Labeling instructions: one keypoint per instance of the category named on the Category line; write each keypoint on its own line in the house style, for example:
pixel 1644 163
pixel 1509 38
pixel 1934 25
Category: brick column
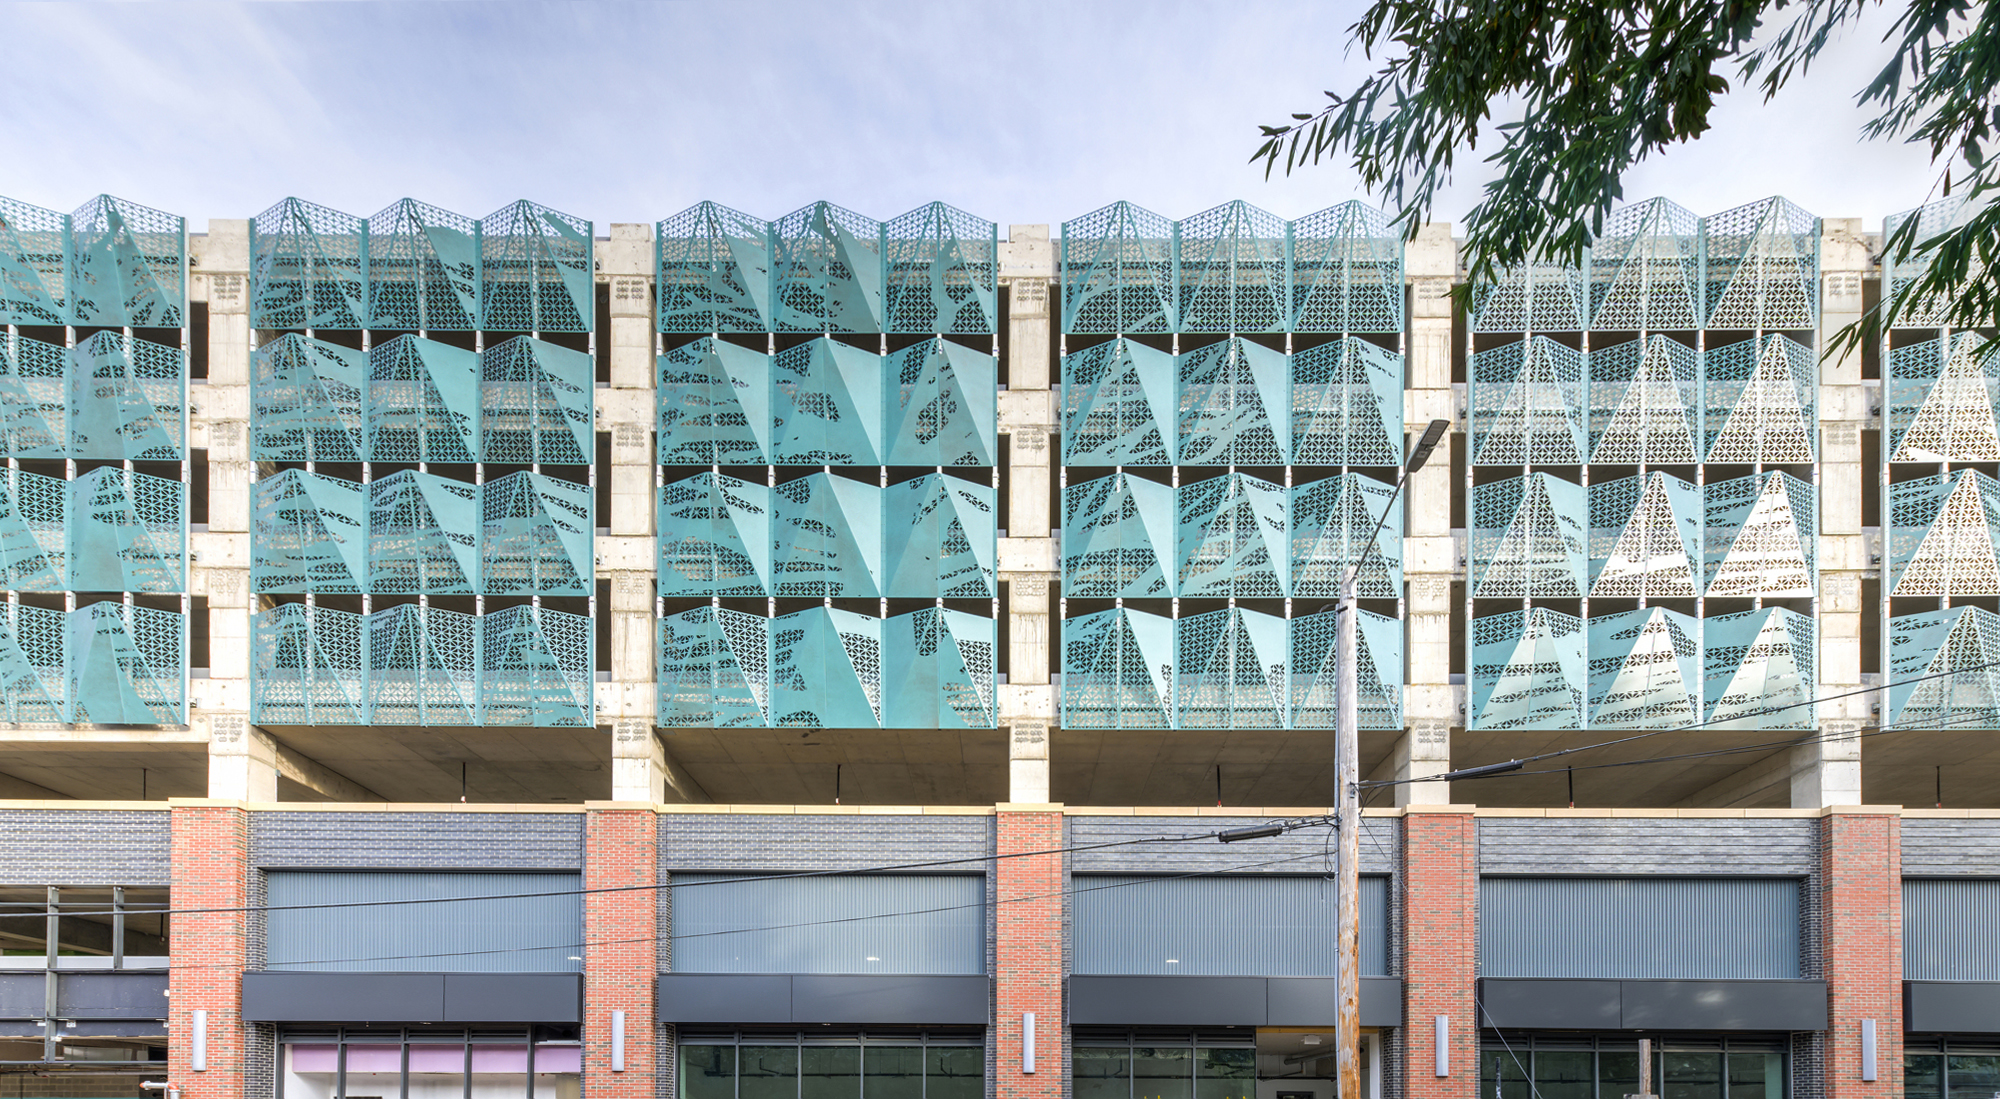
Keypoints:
pixel 1440 945
pixel 621 962
pixel 210 951
pixel 1861 945
pixel 1028 952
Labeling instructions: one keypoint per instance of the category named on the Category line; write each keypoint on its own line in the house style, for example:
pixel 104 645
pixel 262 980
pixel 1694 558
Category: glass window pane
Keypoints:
pixel 1162 1072
pixel 1500 1074
pixel 830 1072
pixel 1923 1076
pixel 1970 1077
pixel 956 1072
pixel 767 1072
pixel 1101 1072
pixel 1617 1073
pixel 1691 1075
pixel 1564 1074
pixel 707 1072
pixel 892 1072
pixel 1225 1074
pixel 1757 1075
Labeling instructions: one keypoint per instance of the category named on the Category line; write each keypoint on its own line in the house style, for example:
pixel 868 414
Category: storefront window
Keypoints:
pixel 430 1063
pixel 1191 1066
pixel 1225 1073
pixel 1162 1072
pixel 1950 1069
pixel 1607 1067
pixel 897 1065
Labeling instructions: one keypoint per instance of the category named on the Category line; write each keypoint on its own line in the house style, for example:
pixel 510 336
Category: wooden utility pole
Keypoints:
pixel 1347 765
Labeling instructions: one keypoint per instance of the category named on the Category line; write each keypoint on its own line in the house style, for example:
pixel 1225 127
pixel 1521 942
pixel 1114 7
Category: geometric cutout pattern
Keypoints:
pixel 1645 670
pixel 1233 539
pixel 1529 539
pixel 110 264
pixel 412 266
pixel 1760 397
pixel 423 402
pixel 1645 270
pixel 128 532
pixel 822 668
pixel 715 537
pixel 1347 404
pixel 307 401
pixel 1933 218
pixel 1227 669
pixel 1762 270
pixel 1760 537
pixel 1119 405
pixel 1119 537
pixel 415 665
pixel 34 533
pixel 827 538
pixel 1758 668
pixel 1527 671
pixel 1538 296
pixel 127 399
pixel 940 539
pixel 535 403
pixel 1331 520
pixel 1645 403
pixel 411 533
pixel 1953 657
pixel 1232 400
pixel 931 271
pixel 125 665
pixel 1942 535
pixel 1529 405
pixel 1942 402
pixel 823 402
pixel 1645 537
pixel 1315 671
pixel 1231 269
pixel 34 398
pixel 33 683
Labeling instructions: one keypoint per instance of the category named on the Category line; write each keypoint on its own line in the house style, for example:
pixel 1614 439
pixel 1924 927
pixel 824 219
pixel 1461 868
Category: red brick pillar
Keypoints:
pixel 621 959
pixel 1028 953
pixel 1440 945
pixel 210 950
pixel 1861 948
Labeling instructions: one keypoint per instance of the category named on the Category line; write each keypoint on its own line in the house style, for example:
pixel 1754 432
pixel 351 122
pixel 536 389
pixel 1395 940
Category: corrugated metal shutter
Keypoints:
pixel 1243 925
pixel 519 934
pixel 875 923
pixel 1708 928
pixel 1951 930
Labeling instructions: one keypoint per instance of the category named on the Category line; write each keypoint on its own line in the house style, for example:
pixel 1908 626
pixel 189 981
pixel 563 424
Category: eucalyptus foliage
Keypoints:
pixel 1600 87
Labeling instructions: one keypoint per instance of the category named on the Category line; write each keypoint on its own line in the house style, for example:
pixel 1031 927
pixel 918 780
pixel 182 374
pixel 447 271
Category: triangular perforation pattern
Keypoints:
pixel 1944 667
pixel 1529 405
pixel 1528 671
pixel 1645 670
pixel 1645 537
pixel 1528 538
pixel 1943 531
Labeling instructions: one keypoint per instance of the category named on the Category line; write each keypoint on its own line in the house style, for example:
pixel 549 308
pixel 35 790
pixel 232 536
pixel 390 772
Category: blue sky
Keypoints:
pixel 1016 111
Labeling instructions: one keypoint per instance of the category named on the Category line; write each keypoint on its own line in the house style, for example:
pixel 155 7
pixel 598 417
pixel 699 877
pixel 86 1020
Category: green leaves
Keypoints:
pixel 1591 90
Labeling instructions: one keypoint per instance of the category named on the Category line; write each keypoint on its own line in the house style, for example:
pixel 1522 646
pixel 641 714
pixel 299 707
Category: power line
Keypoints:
pixel 42 911
pixel 982 904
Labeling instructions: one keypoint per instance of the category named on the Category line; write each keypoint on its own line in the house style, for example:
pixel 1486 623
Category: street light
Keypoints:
pixel 1347 750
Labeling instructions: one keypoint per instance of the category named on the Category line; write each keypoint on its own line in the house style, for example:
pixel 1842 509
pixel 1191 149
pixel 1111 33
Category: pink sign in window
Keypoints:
pixel 514 1059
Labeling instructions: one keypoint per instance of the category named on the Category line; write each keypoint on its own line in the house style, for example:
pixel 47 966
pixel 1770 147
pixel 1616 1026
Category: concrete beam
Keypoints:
pixel 20 789
pixel 643 770
pixel 317 776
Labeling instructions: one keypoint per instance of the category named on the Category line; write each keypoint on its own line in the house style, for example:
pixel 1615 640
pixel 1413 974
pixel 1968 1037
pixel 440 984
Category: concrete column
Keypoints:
pixel 1829 773
pixel 1028 553
pixel 622 958
pixel 1861 947
pixel 1028 953
pixel 643 771
pixel 1432 705
pixel 242 759
pixel 212 946
pixel 1440 901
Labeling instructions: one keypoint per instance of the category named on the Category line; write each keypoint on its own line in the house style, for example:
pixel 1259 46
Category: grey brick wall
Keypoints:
pixel 755 841
pixel 417 841
pixel 1304 851
pixel 1648 845
pixel 1941 847
pixel 85 847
